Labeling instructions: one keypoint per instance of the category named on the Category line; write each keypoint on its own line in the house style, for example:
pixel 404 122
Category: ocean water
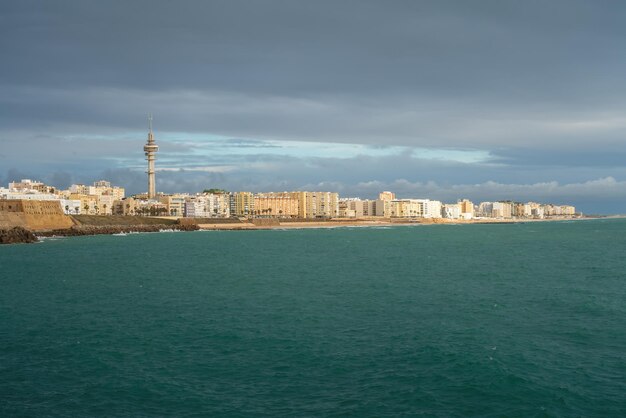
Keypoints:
pixel 524 320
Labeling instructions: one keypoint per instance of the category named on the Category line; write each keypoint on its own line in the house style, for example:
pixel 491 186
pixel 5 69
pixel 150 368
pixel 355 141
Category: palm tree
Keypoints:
pixel 105 208
pixel 67 209
pixel 86 207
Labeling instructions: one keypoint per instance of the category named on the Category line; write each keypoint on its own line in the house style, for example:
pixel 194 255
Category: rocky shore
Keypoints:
pixel 76 231
pixel 17 235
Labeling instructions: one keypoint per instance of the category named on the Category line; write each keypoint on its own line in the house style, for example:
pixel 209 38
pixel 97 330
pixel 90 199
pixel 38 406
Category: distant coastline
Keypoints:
pixel 111 225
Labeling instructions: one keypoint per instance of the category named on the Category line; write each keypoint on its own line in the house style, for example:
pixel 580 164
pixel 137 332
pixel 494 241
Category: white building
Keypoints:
pixel 196 207
pixel 70 206
pixel 26 195
pixel 451 210
pixel 432 208
pixel 207 206
pixel 485 209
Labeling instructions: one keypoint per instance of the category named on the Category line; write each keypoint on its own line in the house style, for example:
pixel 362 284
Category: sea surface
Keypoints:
pixel 520 320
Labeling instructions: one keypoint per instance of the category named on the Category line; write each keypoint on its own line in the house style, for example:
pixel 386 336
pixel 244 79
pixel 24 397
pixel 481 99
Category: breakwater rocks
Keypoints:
pixel 17 235
pixel 76 231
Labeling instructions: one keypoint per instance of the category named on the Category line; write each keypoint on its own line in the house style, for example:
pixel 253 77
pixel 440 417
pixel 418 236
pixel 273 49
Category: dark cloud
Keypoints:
pixel 286 46
pixel 537 85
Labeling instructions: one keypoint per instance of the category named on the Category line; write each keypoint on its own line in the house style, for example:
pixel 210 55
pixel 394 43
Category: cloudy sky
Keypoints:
pixel 488 100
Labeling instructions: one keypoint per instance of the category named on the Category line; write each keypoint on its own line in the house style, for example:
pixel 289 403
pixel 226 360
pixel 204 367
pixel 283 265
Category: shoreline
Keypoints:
pixel 339 223
pixel 18 235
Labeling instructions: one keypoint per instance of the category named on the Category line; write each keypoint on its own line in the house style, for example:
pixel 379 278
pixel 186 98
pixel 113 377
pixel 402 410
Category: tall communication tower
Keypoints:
pixel 151 149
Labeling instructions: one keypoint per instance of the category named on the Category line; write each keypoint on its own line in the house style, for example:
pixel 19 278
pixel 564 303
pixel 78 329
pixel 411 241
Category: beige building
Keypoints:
pixel 242 204
pixel 89 204
pixel 568 210
pixel 105 205
pixel 152 208
pixel 99 188
pixel 283 205
pixel 173 203
pixel 467 209
pixel 357 208
pixel 98 199
pixel 318 204
pixel 559 210
pixel 127 206
pixel 502 210
pixel 415 208
pixel 351 208
pixel 386 198
pixel 374 207
pixel 407 208
pixel 517 210
pixel 104 188
pixel 26 185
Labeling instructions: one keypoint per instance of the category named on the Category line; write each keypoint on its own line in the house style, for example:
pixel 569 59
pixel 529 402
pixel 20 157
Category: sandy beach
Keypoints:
pixel 343 222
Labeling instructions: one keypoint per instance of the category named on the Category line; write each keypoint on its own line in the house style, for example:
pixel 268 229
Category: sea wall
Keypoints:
pixel 120 220
pixel 35 215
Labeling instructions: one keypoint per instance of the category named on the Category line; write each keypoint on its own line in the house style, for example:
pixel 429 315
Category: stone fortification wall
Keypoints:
pixel 36 215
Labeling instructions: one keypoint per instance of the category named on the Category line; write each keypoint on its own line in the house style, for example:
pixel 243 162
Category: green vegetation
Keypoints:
pixel 214 191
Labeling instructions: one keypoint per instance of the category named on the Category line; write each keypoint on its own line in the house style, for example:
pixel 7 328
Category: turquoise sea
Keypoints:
pixel 523 320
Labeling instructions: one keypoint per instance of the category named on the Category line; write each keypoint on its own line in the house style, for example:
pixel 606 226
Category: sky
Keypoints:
pixel 486 100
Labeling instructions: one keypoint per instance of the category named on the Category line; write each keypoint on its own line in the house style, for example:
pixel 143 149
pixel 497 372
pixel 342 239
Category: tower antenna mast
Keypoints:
pixel 150 150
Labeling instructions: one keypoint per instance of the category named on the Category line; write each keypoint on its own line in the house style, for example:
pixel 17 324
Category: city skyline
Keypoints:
pixel 441 99
pixel 104 198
